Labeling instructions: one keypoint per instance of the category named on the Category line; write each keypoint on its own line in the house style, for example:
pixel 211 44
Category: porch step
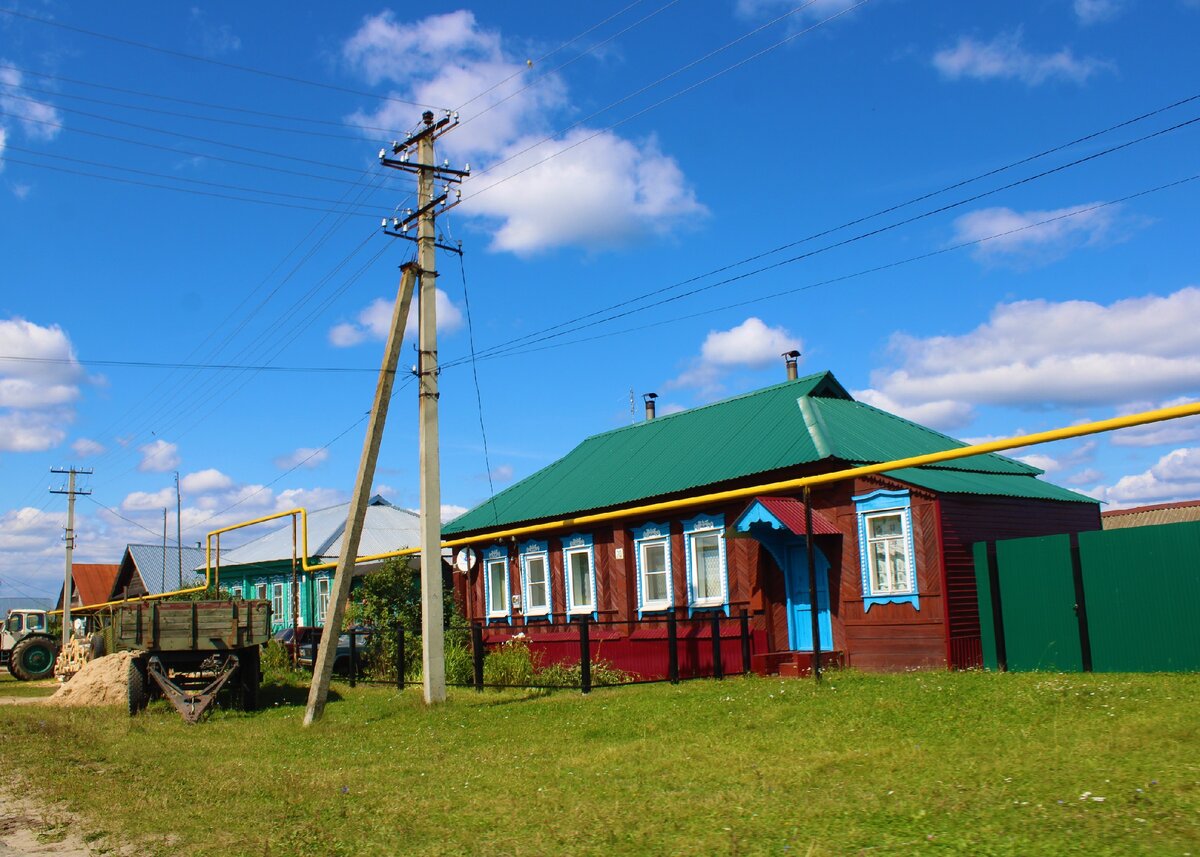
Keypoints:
pixel 794 664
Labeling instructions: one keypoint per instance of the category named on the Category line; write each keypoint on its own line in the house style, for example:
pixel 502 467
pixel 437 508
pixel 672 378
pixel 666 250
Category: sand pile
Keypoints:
pixel 104 681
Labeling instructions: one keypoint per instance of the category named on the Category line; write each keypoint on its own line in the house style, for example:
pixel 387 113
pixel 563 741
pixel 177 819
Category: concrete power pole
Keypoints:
pixel 68 577
pixel 428 204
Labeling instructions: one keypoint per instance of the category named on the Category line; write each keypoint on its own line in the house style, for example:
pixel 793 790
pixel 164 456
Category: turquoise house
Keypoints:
pixel 263 568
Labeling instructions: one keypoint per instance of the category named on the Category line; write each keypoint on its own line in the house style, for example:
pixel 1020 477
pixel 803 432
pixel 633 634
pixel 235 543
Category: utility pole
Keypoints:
pixel 164 565
pixel 68 577
pixel 178 531
pixel 429 204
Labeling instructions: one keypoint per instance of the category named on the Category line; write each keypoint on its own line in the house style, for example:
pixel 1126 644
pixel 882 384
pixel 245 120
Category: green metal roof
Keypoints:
pixel 785 425
pixel 959 482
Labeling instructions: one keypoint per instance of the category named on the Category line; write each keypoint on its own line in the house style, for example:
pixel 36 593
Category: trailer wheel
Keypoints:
pixel 138 694
pixel 249 677
pixel 33 658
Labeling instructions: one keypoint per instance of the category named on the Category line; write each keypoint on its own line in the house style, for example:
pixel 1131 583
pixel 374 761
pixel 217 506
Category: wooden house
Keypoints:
pixel 91 583
pixel 895 583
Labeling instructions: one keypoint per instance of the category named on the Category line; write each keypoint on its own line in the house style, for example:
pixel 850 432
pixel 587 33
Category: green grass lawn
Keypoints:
pixel 929 763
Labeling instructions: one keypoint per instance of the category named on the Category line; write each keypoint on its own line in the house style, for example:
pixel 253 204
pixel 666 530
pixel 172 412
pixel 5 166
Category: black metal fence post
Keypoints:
pixel 672 649
pixel 744 629
pixel 585 657
pixel 353 656
pixel 401 666
pixel 997 607
pixel 1085 637
pixel 718 667
pixel 477 653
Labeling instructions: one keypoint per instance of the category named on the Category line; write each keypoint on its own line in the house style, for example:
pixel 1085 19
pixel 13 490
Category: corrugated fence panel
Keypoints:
pixel 983 590
pixel 1142 586
pixel 1037 601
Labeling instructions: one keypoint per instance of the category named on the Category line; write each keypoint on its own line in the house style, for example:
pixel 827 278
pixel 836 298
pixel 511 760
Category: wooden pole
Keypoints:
pixel 318 691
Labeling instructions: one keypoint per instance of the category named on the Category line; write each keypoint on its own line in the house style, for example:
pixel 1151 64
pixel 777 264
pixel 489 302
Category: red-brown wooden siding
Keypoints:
pixel 967 519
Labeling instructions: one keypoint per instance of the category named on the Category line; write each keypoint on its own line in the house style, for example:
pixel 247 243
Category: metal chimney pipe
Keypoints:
pixel 649 399
pixel 790 359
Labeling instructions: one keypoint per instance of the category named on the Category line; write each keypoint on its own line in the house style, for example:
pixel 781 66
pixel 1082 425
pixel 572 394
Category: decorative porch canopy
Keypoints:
pixel 782 513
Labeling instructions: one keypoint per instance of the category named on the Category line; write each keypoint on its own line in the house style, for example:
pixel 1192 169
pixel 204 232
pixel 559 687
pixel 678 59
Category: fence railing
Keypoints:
pixel 586 653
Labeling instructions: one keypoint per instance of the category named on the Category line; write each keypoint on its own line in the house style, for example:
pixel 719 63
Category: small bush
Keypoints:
pixel 460 665
pixel 275 662
pixel 571 675
pixel 511 663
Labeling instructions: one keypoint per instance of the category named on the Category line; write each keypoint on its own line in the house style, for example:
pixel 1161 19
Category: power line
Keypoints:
pixel 193 103
pixel 113 511
pixel 213 61
pixel 151 364
pixel 846 241
pixel 663 101
pixel 487 460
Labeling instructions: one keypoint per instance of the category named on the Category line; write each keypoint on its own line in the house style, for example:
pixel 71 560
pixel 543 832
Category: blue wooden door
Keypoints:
pixel 800 605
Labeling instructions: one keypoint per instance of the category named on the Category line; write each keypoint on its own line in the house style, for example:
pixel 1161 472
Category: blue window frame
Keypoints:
pixel 495 585
pixel 707 570
pixel 885 549
pixel 536 592
pixel 579 573
pixel 652 556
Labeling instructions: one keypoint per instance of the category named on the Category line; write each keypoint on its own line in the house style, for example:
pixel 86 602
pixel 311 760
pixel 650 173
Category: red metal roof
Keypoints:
pixel 94 581
pixel 790 513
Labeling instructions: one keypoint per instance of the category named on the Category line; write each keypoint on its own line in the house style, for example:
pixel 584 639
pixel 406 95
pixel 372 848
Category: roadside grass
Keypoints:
pixel 10 686
pixel 933 762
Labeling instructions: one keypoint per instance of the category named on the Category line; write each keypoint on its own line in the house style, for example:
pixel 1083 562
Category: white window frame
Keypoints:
pixel 323 600
pixel 260 591
pixel 235 592
pixel 652 535
pixel 905 539
pixel 530 552
pixel 694 530
pixel 491 558
pixel 278 591
pixel 579 545
pixel 884 502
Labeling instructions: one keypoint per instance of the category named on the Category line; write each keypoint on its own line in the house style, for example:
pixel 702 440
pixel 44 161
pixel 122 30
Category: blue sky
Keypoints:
pixel 623 153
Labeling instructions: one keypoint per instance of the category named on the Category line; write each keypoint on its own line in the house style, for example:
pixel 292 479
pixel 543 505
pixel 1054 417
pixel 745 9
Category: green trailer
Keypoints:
pixel 187 650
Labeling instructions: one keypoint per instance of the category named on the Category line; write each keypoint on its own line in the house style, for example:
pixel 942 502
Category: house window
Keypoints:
pixel 277 601
pixel 535 578
pixel 260 591
pixel 708 576
pixel 885 547
pixel 652 545
pixel 580 565
pixel 236 593
pixel 495 582
pixel 322 599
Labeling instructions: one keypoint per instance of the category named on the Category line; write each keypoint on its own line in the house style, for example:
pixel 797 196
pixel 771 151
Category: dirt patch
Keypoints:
pixel 104 681
pixel 28 828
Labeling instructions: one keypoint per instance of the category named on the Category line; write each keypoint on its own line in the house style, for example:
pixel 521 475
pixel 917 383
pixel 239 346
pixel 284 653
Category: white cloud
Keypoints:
pixel 1169 433
pixel 38 387
pixel 1096 11
pixel 451 511
pixel 749 344
pixel 502 473
pixel 816 9
pixel 307 457
pixel 309 498
pixel 212 39
pixel 944 414
pixel 1041 353
pixel 158 456
pixel 145 501
pixel 1005 58
pixel 1175 476
pixel 86 447
pixel 602 191
pixel 1066 229
pixel 205 481
pixel 375 320
pixel 1087 476
pixel 32 114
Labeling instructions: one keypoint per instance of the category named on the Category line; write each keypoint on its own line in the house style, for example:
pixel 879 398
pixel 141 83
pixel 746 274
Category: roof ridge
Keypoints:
pixel 815 378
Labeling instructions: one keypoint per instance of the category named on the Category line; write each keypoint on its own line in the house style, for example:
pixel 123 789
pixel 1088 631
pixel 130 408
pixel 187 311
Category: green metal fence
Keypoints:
pixel 1124 600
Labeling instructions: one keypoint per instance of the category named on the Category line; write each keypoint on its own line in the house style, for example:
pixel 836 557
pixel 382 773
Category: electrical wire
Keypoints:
pixel 113 511
pixel 548 334
pixel 213 61
pixel 152 364
pixel 487 460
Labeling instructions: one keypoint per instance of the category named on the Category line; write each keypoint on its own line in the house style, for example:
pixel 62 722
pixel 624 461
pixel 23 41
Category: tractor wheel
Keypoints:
pixel 248 677
pixel 33 658
pixel 138 695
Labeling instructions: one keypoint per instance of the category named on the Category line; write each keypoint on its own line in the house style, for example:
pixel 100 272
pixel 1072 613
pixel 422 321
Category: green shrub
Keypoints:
pixel 460 665
pixel 275 662
pixel 571 675
pixel 510 663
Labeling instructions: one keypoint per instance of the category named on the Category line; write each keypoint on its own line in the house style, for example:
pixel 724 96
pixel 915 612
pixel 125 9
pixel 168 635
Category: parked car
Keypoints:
pixel 294 638
pixel 341 662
